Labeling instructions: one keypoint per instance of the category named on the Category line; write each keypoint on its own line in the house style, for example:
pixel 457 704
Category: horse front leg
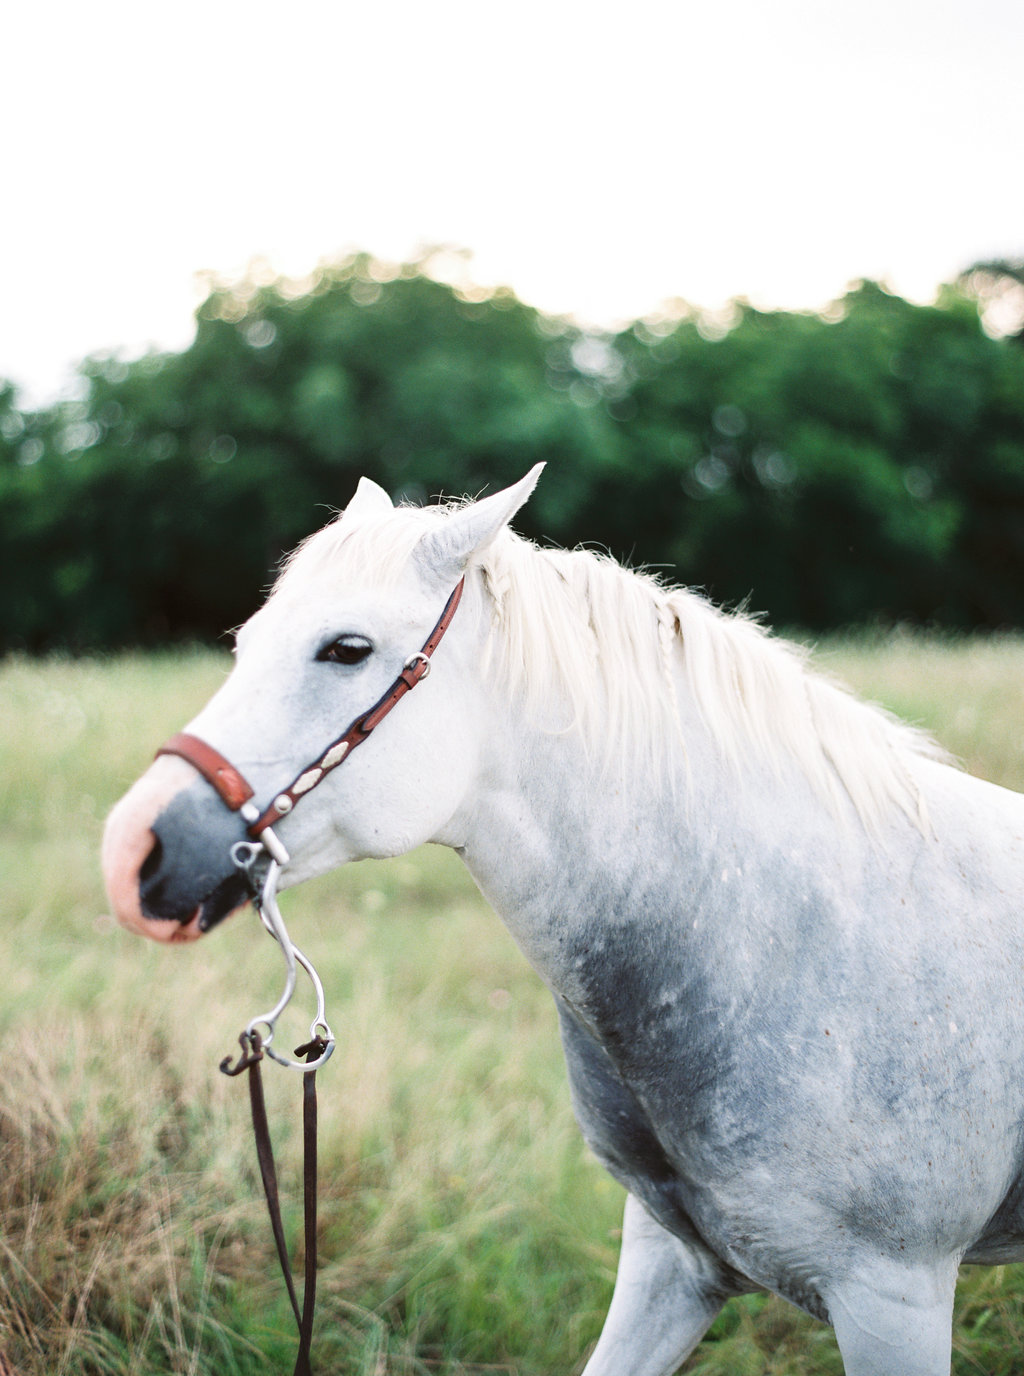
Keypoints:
pixel 895 1320
pixel 665 1298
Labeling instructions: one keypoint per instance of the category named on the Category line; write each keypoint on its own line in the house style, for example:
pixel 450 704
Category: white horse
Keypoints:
pixel 782 933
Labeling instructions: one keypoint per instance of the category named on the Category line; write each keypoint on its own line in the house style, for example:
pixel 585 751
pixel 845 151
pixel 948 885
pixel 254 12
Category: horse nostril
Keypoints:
pixel 151 864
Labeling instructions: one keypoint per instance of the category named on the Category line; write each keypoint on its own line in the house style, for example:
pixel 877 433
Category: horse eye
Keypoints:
pixel 347 649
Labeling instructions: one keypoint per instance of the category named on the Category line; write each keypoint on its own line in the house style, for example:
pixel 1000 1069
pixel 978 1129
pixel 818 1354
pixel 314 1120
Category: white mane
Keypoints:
pixel 577 628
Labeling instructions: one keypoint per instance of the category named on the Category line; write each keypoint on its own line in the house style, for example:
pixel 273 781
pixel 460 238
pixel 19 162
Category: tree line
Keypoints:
pixel 863 464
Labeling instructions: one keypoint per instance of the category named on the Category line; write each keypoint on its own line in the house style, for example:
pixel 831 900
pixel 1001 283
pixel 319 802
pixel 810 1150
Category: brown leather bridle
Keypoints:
pixel 234 789
pixel 237 794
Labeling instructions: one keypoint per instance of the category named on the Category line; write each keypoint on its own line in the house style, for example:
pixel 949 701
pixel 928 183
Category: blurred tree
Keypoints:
pixel 161 503
pixel 826 468
pixel 868 463
pixel 997 284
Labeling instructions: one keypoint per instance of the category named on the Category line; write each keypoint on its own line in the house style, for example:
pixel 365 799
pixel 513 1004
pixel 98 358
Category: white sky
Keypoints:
pixel 597 157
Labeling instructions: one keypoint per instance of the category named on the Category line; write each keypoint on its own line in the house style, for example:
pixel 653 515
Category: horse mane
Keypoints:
pixel 607 643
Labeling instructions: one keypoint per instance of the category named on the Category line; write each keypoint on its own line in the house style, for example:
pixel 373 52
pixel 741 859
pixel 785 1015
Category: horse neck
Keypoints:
pixel 559 838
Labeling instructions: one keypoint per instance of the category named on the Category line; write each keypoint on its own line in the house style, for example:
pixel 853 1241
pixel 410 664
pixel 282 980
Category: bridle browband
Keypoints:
pixel 235 791
pixel 237 794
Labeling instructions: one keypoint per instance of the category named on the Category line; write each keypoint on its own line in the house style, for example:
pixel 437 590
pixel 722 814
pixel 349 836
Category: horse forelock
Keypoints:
pixel 591 646
pixel 370 550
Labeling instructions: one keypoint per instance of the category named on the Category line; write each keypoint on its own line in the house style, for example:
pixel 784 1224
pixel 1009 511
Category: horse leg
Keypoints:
pixel 893 1320
pixel 665 1298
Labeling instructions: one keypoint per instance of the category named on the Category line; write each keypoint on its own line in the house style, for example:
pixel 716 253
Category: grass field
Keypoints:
pixel 465 1228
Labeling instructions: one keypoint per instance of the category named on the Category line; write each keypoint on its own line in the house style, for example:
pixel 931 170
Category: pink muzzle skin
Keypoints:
pixel 128 840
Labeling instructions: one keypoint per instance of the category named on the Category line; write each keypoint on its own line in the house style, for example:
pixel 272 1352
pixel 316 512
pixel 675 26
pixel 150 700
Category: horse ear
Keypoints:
pixel 445 551
pixel 369 499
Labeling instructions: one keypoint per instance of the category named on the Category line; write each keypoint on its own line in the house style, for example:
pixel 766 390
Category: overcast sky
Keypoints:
pixel 599 158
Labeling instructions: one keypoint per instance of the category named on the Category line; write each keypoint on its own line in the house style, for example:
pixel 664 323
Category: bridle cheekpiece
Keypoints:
pixel 237 794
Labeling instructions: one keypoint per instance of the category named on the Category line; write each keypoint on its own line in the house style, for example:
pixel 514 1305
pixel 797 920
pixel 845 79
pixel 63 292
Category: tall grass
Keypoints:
pixel 464 1226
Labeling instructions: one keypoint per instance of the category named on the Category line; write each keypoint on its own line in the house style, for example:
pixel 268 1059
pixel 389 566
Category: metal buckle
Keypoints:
pixel 420 657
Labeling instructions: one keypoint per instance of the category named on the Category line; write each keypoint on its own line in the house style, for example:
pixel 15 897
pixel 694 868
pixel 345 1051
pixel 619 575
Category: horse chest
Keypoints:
pixel 754 1124
pixel 648 1064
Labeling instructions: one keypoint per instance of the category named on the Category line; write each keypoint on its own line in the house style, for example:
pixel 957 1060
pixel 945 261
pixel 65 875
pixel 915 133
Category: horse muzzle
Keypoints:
pixel 166 856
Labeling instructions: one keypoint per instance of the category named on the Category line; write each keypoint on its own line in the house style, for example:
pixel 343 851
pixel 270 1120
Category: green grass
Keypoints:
pixel 464 1225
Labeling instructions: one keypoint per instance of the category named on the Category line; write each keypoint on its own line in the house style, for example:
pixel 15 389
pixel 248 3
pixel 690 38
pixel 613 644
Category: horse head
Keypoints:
pixel 351 608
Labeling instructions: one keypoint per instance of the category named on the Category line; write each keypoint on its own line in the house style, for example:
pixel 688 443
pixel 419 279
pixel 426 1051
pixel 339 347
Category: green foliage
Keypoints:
pixel 838 470
pixel 865 466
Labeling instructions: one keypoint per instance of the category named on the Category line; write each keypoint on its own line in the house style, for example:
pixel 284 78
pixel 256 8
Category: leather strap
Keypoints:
pixel 235 791
pixel 215 769
pixel 249 1060
pixel 311 1051
pixel 416 668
